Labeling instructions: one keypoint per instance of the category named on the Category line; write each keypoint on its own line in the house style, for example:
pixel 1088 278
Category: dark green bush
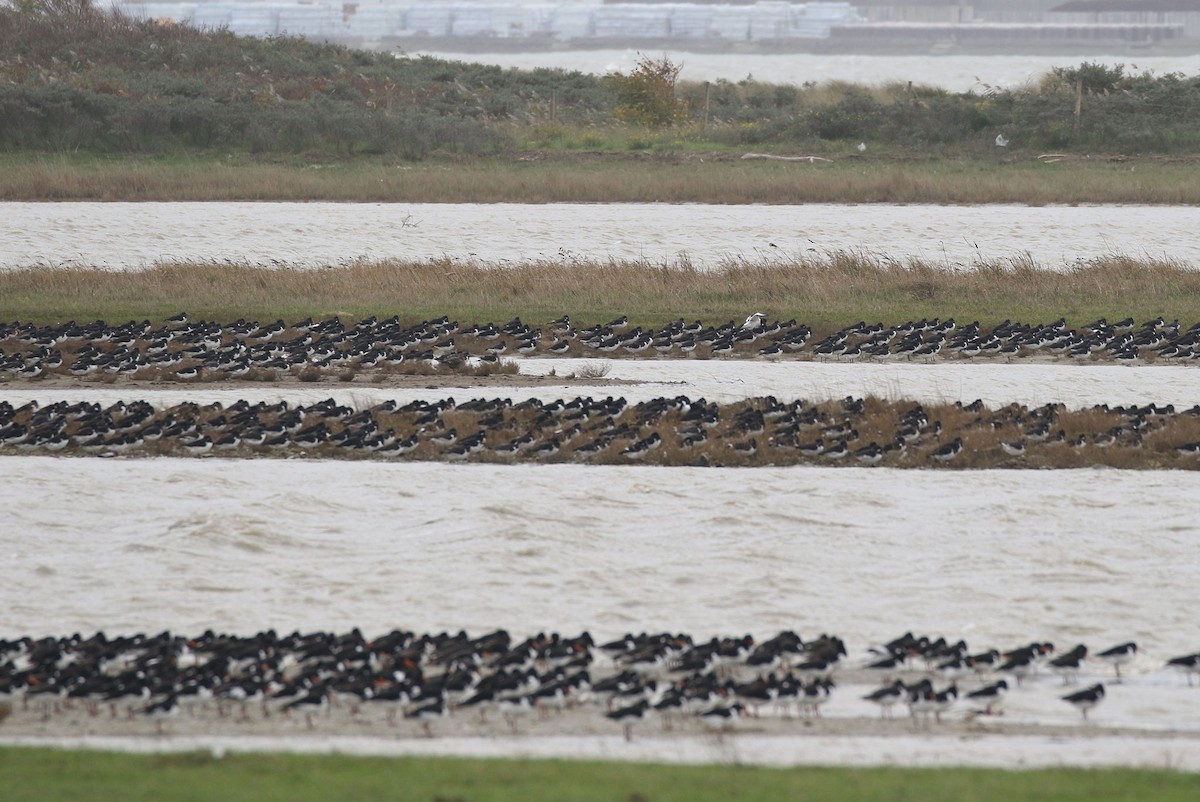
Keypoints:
pixel 72 77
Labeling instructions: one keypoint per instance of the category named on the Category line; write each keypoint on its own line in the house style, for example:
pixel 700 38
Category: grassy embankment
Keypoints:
pixel 43 775
pixel 201 114
pixel 826 292
pixel 600 178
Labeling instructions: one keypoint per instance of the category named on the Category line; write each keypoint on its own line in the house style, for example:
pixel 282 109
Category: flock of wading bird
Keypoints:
pixel 423 678
pixel 196 351
pixel 676 430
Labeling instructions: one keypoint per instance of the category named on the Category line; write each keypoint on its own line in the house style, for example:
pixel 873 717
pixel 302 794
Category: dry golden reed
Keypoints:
pixel 830 290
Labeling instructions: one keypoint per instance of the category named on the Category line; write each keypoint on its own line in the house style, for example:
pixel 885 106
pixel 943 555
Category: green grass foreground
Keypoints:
pixel 42 775
pixel 826 292
pixel 541 177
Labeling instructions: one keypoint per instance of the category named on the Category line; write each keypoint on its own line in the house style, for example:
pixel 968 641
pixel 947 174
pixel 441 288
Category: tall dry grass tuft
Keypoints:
pixel 593 370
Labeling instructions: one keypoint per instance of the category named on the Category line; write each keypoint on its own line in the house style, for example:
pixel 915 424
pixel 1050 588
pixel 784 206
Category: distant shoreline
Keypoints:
pixel 490 44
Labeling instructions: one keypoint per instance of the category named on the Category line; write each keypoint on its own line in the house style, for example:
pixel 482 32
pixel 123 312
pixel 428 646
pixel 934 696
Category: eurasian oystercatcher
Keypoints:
pixel 1014 448
pixel 949 451
pixel 1086 699
pixel 160 711
pixel 1068 665
pixel 990 696
pixel 1118 656
pixel 1189 664
pixel 722 719
pixel 315 701
pixel 628 716
pixel 426 713
pixel 815 694
pixel 887 697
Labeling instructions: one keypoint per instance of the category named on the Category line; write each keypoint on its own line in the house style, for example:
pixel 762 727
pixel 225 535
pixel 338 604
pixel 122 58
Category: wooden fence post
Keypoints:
pixel 1078 103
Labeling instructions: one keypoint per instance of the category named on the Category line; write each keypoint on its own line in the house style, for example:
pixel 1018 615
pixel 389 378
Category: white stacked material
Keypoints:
pixel 514 20
pixel 564 22
pixel 573 22
pixel 814 20
pixel 213 15
pixel 632 22
pixel 540 18
pixel 832 12
pixel 255 20
pixel 693 22
pixel 493 20
pixel 771 21
pixel 471 21
pixel 380 20
pixel 732 22
pixel 312 21
pixel 429 20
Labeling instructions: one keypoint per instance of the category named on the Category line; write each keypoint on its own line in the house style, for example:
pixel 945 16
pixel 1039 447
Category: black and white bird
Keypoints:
pixel 949 451
pixel 1188 664
pixel 747 448
pixel 629 716
pixel 722 719
pixel 815 694
pixel 887 697
pixel 990 696
pixel 160 711
pixel 1086 699
pixel 315 701
pixel 1014 448
pixel 426 713
pixel 1067 665
pixel 1118 656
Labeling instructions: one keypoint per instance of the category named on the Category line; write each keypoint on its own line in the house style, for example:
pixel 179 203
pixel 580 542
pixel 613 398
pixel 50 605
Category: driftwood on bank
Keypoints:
pixel 773 157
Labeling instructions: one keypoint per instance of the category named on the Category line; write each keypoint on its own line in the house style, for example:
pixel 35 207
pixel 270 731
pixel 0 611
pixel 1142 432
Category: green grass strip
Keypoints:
pixel 43 774
pixel 604 178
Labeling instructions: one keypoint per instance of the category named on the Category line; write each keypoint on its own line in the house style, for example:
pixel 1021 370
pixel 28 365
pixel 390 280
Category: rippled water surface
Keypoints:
pixel 723 380
pixel 996 556
pixel 130 235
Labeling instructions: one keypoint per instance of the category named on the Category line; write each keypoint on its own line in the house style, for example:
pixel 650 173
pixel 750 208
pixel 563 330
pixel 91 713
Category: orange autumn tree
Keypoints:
pixel 646 96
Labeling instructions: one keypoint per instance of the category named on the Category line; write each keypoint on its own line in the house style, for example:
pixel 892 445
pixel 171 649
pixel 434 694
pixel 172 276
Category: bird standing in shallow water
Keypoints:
pixel 628 716
pixel 1189 664
pixel 162 710
pixel 1068 665
pixel 1086 699
pixel 1118 656
pixel 887 696
pixel 427 713
pixel 990 696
